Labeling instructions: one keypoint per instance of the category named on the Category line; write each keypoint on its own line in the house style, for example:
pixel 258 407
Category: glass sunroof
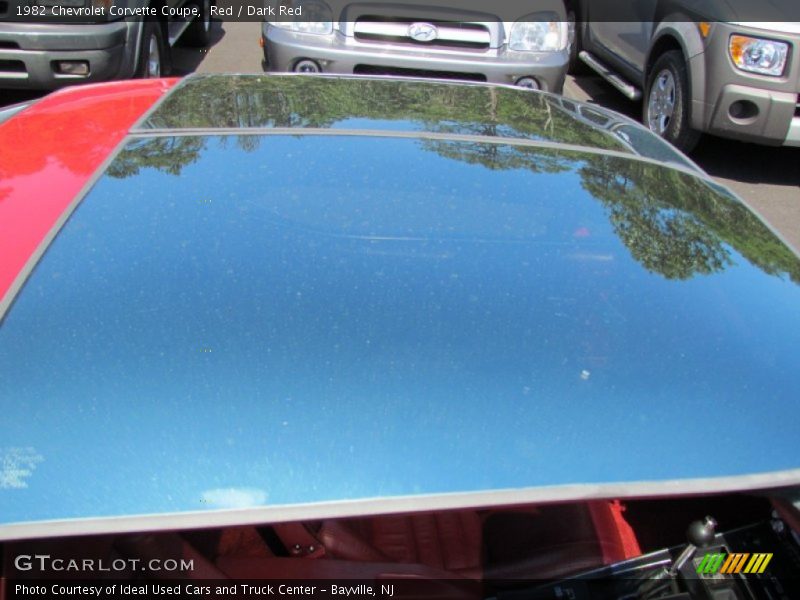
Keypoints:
pixel 269 320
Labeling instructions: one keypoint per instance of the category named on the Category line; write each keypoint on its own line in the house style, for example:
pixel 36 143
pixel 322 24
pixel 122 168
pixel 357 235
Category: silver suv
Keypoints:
pixel 718 71
pixel 422 41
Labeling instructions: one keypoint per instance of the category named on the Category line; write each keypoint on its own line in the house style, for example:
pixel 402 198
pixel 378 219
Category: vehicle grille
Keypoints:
pixel 422 73
pixel 3 8
pixel 12 66
pixel 450 34
pixel 8 45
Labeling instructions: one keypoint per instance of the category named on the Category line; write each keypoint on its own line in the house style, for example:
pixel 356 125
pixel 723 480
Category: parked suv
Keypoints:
pixel 423 41
pixel 733 79
pixel 47 44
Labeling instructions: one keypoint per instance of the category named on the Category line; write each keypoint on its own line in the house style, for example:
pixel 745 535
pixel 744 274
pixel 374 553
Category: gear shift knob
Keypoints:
pixel 701 533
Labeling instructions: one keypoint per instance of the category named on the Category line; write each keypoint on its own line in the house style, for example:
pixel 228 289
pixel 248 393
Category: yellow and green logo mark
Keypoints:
pixel 734 563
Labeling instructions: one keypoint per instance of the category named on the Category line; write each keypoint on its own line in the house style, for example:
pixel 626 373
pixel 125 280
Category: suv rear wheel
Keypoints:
pixel 667 105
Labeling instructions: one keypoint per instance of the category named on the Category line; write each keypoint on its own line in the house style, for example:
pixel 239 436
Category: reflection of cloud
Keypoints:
pixel 234 497
pixel 16 465
pixel 586 256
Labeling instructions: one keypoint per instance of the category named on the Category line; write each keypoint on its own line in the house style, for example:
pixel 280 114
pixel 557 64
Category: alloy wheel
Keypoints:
pixel 661 102
pixel 153 58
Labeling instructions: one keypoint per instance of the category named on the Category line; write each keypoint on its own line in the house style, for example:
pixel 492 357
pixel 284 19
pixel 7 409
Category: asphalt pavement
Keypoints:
pixel 767 179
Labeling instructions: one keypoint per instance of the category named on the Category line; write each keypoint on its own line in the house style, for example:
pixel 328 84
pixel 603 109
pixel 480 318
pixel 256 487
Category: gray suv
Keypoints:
pixel 726 77
pixel 52 43
pixel 422 41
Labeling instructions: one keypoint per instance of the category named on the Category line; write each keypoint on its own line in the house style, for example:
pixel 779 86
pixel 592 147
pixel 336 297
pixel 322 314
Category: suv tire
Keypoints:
pixel 576 65
pixel 667 103
pixel 152 53
pixel 198 34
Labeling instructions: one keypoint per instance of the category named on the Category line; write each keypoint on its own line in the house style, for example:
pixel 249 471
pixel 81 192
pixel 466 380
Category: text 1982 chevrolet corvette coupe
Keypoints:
pixel 471 340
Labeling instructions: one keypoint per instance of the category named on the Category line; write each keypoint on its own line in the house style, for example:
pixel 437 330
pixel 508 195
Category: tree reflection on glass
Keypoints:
pixel 677 225
pixel 673 223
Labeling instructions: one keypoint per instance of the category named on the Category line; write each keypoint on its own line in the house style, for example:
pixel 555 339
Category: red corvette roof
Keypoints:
pixel 50 151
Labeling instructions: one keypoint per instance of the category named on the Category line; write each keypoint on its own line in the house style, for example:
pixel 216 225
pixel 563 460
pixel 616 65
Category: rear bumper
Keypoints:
pixel 29 52
pixel 337 53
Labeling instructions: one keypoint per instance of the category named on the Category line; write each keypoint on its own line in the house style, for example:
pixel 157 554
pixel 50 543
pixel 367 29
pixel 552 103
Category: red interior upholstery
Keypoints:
pixel 527 542
pixel 163 546
pixel 614 531
pixel 450 541
pixel 519 542
pixel 549 541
